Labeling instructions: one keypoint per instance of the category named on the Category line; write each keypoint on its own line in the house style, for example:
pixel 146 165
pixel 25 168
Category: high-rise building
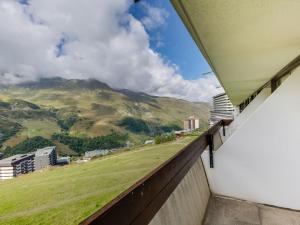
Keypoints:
pixel 191 123
pixel 45 157
pixel 222 108
pixel 16 165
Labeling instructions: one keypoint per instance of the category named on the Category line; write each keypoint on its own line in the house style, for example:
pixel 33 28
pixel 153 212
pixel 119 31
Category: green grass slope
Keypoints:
pixel 89 108
pixel 69 194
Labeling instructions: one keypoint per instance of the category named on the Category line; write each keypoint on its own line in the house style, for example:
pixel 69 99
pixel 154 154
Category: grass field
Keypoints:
pixel 40 127
pixel 69 194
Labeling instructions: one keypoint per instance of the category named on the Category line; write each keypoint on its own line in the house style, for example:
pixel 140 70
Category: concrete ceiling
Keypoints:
pixel 246 42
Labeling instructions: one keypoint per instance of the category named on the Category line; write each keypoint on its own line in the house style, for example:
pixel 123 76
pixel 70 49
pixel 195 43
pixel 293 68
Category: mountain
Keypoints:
pixel 87 109
pixel 60 83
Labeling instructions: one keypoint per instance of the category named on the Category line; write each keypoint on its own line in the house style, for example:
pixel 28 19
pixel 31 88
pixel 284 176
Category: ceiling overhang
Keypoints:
pixel 245 42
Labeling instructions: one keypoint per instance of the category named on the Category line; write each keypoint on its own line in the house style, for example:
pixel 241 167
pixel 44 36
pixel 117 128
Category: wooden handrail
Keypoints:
pixel 139 204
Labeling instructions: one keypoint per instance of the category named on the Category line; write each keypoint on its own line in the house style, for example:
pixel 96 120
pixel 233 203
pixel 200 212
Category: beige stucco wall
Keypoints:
pixel 187 204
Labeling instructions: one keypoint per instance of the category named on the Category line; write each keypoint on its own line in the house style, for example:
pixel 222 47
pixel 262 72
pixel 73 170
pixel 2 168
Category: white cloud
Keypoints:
pixel 98 38
pixel 155 17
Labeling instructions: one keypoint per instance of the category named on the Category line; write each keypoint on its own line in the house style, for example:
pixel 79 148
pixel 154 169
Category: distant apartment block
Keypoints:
pixel 191 123
pixel 16 165
pixel 63 161
pixel 45 157
pixel 222 108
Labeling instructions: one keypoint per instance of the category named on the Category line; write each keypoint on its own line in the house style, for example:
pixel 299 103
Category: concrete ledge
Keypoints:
pixel 188 203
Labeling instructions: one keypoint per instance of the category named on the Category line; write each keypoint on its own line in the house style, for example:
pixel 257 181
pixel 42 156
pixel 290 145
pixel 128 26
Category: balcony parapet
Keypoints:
pixel 140 203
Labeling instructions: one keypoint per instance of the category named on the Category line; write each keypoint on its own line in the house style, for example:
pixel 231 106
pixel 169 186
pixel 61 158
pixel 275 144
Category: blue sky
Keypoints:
pixel 177 45
pixel 141 47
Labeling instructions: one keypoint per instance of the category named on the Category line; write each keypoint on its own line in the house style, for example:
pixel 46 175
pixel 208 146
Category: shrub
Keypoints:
pixel 135 125
pixel 152 128
pixel 66 123
pixel 82 144
pixel 164 138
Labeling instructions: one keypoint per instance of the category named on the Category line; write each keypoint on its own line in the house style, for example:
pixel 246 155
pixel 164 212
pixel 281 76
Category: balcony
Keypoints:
pixel 227 211
pixel 246 171
pixel 232 174
pixel 178 192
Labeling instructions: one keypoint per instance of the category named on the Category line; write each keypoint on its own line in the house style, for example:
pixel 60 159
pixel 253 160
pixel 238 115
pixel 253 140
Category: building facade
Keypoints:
pixel 45 157
pixel 191 123
pixel 63 161
pixel 222 108
pixel 16 165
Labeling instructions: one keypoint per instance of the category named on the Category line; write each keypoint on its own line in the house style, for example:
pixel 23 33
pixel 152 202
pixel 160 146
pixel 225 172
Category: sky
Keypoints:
pixel 141 47
pixel 172 39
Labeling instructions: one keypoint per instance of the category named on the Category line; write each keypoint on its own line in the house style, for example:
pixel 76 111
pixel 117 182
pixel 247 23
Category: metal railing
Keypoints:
pixel 139 204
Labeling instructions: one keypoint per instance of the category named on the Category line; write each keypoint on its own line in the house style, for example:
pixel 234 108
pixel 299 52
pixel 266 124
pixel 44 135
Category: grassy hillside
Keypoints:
pixel 88 108
pixel 35 127
pixel 69 194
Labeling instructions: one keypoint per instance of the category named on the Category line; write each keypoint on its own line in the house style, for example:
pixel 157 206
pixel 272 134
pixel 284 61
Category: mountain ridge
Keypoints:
pixel 88 84
pixel 86 108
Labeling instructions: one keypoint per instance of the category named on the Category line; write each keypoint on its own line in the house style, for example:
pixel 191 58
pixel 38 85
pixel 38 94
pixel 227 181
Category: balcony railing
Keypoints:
pixel 139 204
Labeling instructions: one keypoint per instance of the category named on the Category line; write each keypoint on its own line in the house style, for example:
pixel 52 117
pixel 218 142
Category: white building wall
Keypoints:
pixel 197 123
pixel 260 161
pixel 241 118
pixel 6 173
pixel 222 108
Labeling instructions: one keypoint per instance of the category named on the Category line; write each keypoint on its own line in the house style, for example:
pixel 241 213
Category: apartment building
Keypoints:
pixel 16 165
pixel 222 108
pixel 45 157
pixel 191 123
pixel 63 161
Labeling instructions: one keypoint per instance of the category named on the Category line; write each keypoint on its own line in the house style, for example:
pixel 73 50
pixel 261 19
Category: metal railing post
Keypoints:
pixel 210 140
pixel 224 131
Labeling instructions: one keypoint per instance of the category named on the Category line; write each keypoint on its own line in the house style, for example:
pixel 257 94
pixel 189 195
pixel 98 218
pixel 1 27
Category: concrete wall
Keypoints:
pixel 187 204
pixel 260 161
pixel 241 118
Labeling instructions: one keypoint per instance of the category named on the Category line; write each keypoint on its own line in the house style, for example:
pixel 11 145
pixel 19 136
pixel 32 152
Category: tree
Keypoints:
pixel 29 145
